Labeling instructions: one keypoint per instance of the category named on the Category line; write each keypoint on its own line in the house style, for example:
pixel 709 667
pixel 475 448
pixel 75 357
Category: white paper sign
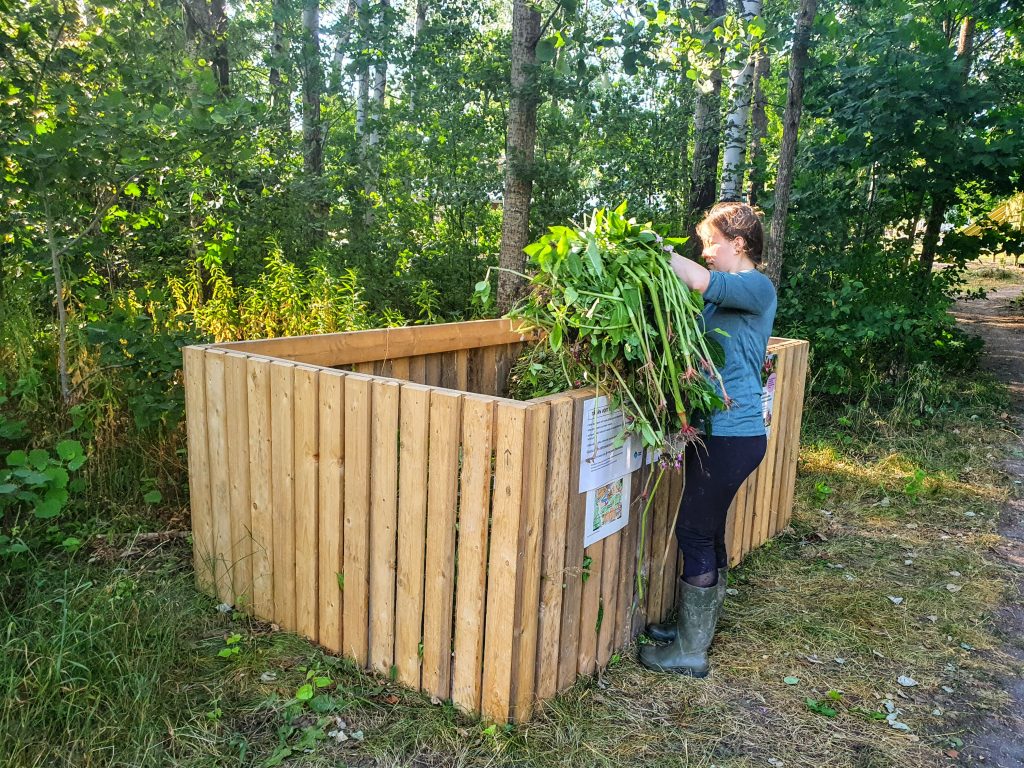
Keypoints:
pixel 600 461
pixel 607 510
pixel 768 395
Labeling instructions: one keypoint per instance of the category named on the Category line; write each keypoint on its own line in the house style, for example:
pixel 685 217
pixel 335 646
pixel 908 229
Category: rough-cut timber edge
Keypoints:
pixel 375 492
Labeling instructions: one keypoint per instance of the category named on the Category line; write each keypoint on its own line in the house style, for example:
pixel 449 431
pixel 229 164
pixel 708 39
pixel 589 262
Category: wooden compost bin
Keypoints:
pixel 375 492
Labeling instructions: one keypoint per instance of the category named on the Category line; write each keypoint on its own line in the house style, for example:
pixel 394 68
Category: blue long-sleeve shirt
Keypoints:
pixel 743 305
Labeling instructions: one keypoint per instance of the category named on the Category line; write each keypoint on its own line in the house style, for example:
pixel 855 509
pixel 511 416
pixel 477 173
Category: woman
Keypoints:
pixel 740 301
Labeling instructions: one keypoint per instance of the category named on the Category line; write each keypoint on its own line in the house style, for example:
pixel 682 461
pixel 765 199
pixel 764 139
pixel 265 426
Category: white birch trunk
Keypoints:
pixel 738 117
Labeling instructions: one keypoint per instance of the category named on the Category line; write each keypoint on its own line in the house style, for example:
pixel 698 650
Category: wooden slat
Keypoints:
pixel 659 524
pixel 432 370
pixel 307 491
pixel 573 591
pixel 462 370
pixel 238 477
pixel 442 498
pixel 261 460
pixel 383 524
pixel 448 377
pixel 333 349
pixel 531 535
pixel 220 490
pixel 194 359
pixel 553 568
pixel 474 511
pixel 670 554
pixel 793 441
pixel 777 442
pixel 499 624
pixel 609 598
pixel 590 605
pixel 400 368
pixel 414 417
pixel 750 515
pixel 282 429
pixel 417 369
pixel 367 368
pixel 487 361
pixel 627 563
pixel 331 505
pixel 355 601
pixel 737 517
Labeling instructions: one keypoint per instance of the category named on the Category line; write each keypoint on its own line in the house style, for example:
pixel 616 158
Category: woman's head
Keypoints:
pixel 731 232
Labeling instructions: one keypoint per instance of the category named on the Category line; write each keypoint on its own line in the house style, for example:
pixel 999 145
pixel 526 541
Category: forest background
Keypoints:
pixel 181 172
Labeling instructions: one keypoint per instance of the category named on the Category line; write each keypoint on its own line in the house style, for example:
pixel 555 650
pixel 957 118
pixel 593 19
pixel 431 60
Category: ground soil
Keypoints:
pixel 998 739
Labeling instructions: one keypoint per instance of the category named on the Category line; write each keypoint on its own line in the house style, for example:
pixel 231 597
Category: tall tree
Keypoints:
pixel 758 128
pixel 944 189
pixel 206 30
pixel 798 59
pixel 520 146
pixel 375 107
pixel 707 127
pixel 312 88
pixel 739 111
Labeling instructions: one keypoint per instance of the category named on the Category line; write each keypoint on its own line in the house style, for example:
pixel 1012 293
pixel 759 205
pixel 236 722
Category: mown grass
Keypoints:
pixel 109 661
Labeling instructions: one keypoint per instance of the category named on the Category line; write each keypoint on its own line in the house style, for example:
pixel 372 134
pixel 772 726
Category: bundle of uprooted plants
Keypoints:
pixel 617 318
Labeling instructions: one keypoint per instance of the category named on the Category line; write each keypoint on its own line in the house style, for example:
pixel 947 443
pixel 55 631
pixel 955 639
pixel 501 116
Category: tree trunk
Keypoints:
pixel 520 145
pixel 345 24
pixel 278 98
pixel 62 317
pixel 738 117
pixel 312 87
pixel 219 32
pixel 362 77
pixel 790 130
pixel 421 16
pixel 942 197
pixel 706 138
pixel 758 129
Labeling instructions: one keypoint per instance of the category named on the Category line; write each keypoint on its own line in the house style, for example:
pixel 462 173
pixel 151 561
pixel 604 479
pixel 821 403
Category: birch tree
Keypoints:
pixel 520 145
pixel 790 129
pixel 739 109
pixel 758 128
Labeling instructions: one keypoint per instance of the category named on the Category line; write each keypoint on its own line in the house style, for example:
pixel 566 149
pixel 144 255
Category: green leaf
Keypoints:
pixel 546 49
pixel 69 449
pixel 322 682
pixel 341 580
pixel 39 458
pixel 571 294
pixel 47 508
pixel 8 488
pixel 555 337
pixel 153 497
pixel 820 708
pixel 132 189
pixel 594 255
pixel 791 680
pixel 305 692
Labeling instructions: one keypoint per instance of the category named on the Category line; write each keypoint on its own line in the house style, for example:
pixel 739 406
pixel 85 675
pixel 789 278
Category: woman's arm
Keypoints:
pixel 696 277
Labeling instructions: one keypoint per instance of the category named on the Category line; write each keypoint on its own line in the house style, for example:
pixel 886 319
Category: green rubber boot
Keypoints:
pixel 695 628
pixel 665 631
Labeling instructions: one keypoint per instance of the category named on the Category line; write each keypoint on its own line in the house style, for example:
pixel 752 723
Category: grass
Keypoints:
pixel 990 276
pixel 108 660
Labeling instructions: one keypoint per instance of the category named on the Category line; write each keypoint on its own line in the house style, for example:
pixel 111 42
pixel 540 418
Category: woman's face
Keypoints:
pixel 722 254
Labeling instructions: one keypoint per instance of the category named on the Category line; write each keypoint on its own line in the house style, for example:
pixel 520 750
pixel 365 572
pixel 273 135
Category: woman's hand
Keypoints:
pixel 690 272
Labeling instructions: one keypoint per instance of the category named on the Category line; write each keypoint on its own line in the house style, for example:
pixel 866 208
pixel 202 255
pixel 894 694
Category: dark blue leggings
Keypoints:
pixel 714 472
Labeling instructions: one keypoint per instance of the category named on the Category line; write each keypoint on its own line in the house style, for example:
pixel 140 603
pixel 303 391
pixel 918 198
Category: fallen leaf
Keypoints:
pixel 955 573
pixel 268 677
pixel 967 646
pixel 357 735
pixel 932 618
pixel 840 660
pixel 731 591
pixel 947 689
pixel 905 681
pixel 954 587
pixel 898 725
pixel 952 753
pixel 791 680
pixel 391 699
pixel 895 600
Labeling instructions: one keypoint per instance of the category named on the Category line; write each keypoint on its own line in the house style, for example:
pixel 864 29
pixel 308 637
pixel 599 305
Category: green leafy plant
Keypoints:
pixel 231 646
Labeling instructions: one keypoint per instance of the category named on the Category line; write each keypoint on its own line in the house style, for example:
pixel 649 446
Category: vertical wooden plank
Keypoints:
pixel 793 441
pixel 572 575
pixel 590 606
pixel 307 491
pixel 356 536
pixel 737 518
pixel 220 491
pixel 669 556
pixel 417 369
pixel 414 419
pixel 462 370
pixel 432 370
pixel 442 498
pixel 488 373
pixel 556 506
pixel 751 513
pixel 330 505
pixel 474 511
pixel 260 472
pixel 448 374
pixel 647 562
pixel 383 524
pixel 777 442
pixel 199 468
pixel 627 564
pixel 400 368
pixel 531 535
pixel 659 524
pixel 238 462
pixel 366 368
pixel 510 437
pixel 282 398
pixel 610 586
pixel 505 359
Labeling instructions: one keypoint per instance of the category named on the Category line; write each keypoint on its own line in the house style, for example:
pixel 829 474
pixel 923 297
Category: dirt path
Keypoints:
pixel 999 741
